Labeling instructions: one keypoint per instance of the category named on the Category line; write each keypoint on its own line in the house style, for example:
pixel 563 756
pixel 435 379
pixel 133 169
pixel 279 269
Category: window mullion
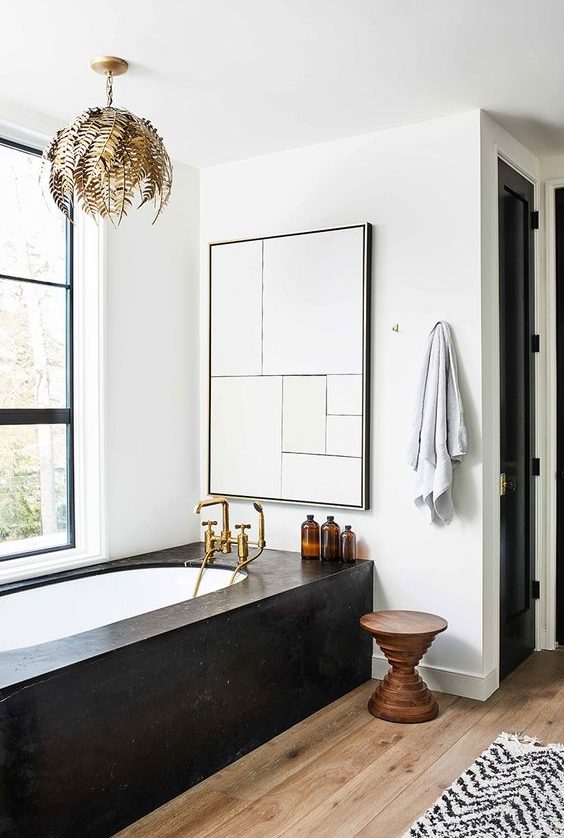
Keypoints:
pixel 35 416
pixel 35 281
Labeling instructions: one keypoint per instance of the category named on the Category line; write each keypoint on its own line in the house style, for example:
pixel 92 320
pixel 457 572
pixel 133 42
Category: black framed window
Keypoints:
pixel 36 431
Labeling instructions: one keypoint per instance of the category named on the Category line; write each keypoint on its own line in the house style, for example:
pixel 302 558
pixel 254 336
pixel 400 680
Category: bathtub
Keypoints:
pixel 133 692
pixel 62 609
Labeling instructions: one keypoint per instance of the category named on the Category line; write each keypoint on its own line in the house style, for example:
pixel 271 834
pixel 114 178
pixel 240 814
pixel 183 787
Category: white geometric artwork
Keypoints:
pixel 344 436
pixel 289 348
pixel 344 395
pixel 304 411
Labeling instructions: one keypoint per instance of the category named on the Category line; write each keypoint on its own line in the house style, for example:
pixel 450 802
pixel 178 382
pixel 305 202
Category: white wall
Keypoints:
pixel 552 168
pixel 420 188
pixel 152 351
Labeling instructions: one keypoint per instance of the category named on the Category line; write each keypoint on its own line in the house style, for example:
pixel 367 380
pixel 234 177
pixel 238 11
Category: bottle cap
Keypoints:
pixel 347 527
pixel 330 518
pixel 310 517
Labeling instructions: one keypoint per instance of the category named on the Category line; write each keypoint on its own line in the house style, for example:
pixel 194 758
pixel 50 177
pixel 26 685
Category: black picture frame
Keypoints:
pixel 366 367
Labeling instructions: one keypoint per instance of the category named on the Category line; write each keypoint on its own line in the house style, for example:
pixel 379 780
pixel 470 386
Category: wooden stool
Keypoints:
pixel 404 637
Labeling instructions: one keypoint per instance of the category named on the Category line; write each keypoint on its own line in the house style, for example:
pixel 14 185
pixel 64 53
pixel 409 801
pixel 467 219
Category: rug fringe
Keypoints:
pixel 520 743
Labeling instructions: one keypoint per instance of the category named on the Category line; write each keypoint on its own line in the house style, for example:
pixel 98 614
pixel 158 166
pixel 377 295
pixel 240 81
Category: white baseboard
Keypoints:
pixel 545 642
pixel 446 680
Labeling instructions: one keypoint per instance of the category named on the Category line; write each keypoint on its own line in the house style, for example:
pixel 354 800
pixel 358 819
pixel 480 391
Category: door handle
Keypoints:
pixel 506 484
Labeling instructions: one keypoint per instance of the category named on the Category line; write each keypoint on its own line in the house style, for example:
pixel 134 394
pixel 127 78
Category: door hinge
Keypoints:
pixel 536 466
pixel 535 589
pixel 535 220
pixel 535 343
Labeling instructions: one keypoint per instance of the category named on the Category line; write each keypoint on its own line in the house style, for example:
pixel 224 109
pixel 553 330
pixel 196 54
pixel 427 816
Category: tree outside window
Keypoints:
pixel 36 508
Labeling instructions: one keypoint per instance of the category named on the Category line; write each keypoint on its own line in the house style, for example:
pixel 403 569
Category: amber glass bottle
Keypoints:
pixel 330 532
pixel 348 545
pixel 310 539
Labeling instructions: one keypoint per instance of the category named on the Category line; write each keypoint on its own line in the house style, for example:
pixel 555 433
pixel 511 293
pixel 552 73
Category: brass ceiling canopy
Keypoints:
pixel 105 64
pixel 107 155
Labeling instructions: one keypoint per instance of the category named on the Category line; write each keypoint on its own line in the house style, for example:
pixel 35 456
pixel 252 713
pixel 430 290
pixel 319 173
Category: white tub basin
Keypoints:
pixel 61 609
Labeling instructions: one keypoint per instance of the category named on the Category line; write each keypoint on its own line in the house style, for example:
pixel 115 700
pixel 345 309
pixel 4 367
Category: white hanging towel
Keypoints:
pixel 438 438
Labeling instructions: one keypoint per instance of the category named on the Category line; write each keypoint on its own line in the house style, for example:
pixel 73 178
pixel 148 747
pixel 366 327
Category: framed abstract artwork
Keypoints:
pixel 289 343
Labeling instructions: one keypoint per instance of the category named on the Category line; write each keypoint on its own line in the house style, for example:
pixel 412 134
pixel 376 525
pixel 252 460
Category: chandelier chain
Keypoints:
pixel 109 88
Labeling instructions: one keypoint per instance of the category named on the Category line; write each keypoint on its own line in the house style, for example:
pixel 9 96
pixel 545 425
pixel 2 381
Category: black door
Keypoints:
pixel 560 415
pixel 516 298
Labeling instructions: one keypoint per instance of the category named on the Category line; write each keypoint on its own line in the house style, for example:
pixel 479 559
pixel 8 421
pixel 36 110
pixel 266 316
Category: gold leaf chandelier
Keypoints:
pixel 107 155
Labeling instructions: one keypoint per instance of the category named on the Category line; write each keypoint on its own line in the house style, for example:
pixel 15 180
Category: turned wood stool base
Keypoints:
pixel 404 637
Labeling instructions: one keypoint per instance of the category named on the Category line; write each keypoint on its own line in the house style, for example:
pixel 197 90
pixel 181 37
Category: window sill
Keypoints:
pixel 37 545
pixel 29 567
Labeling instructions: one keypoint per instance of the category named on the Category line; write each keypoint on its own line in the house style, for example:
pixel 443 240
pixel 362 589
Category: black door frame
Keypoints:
pixel 515 649
pixel 558 603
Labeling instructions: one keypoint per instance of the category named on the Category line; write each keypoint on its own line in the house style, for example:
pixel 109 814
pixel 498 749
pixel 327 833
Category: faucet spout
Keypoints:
pixel 225 538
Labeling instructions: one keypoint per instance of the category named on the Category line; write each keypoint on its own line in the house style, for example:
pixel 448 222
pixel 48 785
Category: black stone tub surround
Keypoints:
pixel 100 728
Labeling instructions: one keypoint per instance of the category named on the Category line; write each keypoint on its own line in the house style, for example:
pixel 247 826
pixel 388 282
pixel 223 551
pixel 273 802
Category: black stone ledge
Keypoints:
pixel 274 572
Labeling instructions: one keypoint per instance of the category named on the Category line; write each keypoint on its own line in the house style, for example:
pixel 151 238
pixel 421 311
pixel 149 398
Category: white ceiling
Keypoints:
pixel 227 79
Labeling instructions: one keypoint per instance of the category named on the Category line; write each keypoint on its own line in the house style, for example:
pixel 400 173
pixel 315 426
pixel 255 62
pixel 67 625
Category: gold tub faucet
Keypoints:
pixel 222 543
pixel 224 540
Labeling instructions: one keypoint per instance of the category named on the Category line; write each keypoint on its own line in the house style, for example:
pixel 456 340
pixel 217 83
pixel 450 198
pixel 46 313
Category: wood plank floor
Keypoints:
pixel 341 773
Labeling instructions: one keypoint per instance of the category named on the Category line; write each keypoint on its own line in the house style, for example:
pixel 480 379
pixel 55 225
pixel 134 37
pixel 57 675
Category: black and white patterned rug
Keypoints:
pixel 515 789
